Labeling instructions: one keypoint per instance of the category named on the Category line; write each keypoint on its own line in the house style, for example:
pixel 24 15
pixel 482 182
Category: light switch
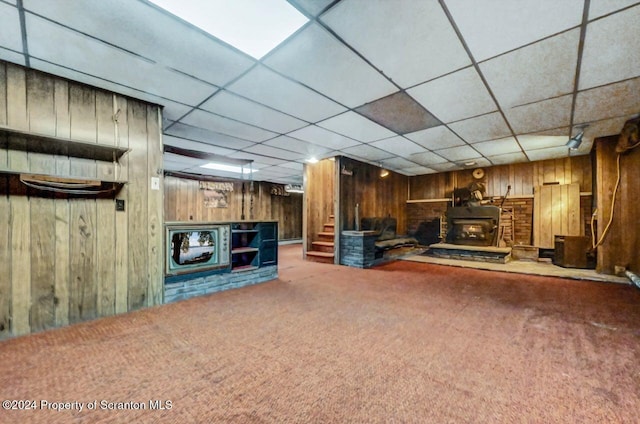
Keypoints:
pixel 155 183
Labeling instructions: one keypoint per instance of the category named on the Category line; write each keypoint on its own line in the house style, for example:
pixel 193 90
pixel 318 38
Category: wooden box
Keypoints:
pixel 571 251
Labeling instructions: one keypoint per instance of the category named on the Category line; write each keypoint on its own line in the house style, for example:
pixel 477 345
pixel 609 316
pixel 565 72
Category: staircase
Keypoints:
pixel 322 250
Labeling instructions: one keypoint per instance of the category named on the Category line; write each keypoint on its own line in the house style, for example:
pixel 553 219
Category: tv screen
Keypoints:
pixel 196 247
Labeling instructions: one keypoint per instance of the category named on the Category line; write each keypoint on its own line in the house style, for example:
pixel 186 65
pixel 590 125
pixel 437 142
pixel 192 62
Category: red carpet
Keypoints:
pixel 405 342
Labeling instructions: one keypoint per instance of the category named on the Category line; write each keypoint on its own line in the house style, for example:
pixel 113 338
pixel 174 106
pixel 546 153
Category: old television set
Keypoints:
pixel 196 247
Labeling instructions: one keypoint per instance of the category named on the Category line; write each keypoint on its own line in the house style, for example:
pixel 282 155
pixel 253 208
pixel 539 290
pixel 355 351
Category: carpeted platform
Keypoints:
pixel 405 342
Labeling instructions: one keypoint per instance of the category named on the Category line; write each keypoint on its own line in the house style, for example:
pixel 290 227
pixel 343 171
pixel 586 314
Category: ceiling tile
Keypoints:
pixel 539 116
pixel 419 29
pixel 399 113
pixel 317 59
pixel 184 160
pixel 207 136
pixel 508 158
pixel 456 96
pixel 600 8
pixel 399 146
pixel 11 34
pixel 269 88
pixel 492 27
pixel 536 72
pixel 257 158
pixel 212 122
pixel 60 45
pixel 439 137
pixel 314 7
pixel 11 56
pixel 608 101
pixel 498 147
pixel 293 165
pixel 446 166
pixel 356 126
pixel 150 33
pixel 607 42
pixel 550 153
pixel 368 152
pixel 418 170
pixel 243 110
pixel 168 165
pixel 274 152
pixel 427 158
pixel 295 145
pixel 459 153
pixel 324 138
pixel 606 127
pixel 169 140
pixel 481 128
pixel 397 163
pixel 551 139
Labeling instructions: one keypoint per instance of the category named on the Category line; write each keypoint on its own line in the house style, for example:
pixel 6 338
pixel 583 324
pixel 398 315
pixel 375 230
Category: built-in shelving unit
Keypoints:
pixel 253 245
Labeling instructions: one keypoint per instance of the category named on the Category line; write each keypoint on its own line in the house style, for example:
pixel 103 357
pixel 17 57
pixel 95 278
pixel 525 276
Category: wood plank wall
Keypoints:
pixel 376 196
pixel 319 198
pixel 73 259
pixel 522 177
pixel 184 201
pixel 622 244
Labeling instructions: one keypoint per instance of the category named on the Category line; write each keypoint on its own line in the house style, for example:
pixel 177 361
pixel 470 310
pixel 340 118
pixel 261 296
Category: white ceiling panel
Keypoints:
pixel 541 115
pixel 418 170
pixel 439 137
pixel 397 163
pixel 599 8
pixel 295 145
pixel 460 153
pixel 169 165
pixel 606 127
pixel 455 96
pixel 170 140
pixel 267 87
pixel 216 123
pixel 445 166
pixel 187 161
pixel 11 34
pixel 60 45
pixel 293 165
pixel 324 138
pixel 550 153
pixel 257 158
pixel 243 110
pixel 492 27
pixel 356 126
pixel 315 58
pixel 482 128
pixel 283 170
pixel 427 158
pixel 419 31
pixel 151 33
pixel 399 146
pixel 274 152
pixel 206 136
pixel 508 158
pixel 368 152
pixel 314 7
pixel 557 138
pixel 11 56
pixel 498 147
pixel 607 41
pixel 608 101
pixel 13 2
pixel 536 72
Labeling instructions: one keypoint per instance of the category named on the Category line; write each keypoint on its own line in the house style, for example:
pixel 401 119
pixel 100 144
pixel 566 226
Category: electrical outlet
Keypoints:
pixel 155 183
pixel 120 205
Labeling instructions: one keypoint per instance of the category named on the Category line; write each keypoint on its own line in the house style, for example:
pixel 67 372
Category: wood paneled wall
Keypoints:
pixel 64 259
pixel 184 201
pixel 319 198
pixel 622 244
pixel 376 196
pixel 522 177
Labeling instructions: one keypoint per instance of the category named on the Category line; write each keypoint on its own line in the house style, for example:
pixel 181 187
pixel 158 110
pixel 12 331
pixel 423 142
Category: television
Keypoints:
pixel 195 247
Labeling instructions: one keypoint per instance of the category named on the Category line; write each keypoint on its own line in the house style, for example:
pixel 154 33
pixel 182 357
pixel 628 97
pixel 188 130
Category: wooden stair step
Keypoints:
pixel 323 246
pixel 326 233
pixel 323 243
pixel 319 254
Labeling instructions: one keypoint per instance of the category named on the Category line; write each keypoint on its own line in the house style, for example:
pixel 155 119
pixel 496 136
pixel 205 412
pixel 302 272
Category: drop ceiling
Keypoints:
pixel 414 86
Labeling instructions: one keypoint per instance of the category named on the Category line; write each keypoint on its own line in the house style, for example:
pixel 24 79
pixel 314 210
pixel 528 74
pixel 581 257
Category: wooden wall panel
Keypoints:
pixel 69 257
pixel 376 196
pixel 522 177
pixel 184 201
pixel 319 198
pixel 622 243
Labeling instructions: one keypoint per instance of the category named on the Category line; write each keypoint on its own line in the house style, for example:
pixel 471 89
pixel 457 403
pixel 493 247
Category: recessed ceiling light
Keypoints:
pixel 312 160
pixel 253 26
pixel 228 168
pixel 470 163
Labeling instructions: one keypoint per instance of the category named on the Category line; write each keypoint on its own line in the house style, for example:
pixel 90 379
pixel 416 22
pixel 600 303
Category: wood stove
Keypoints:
pixel 473 225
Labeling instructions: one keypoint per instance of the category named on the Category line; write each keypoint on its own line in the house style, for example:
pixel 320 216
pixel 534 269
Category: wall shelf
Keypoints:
pixel 40 143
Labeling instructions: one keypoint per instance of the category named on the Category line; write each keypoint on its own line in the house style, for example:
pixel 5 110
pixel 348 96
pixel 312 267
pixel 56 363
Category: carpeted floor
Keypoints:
pixel 405 342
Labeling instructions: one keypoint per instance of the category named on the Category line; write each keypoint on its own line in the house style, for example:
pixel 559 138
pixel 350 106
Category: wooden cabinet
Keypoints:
pixel 253 245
